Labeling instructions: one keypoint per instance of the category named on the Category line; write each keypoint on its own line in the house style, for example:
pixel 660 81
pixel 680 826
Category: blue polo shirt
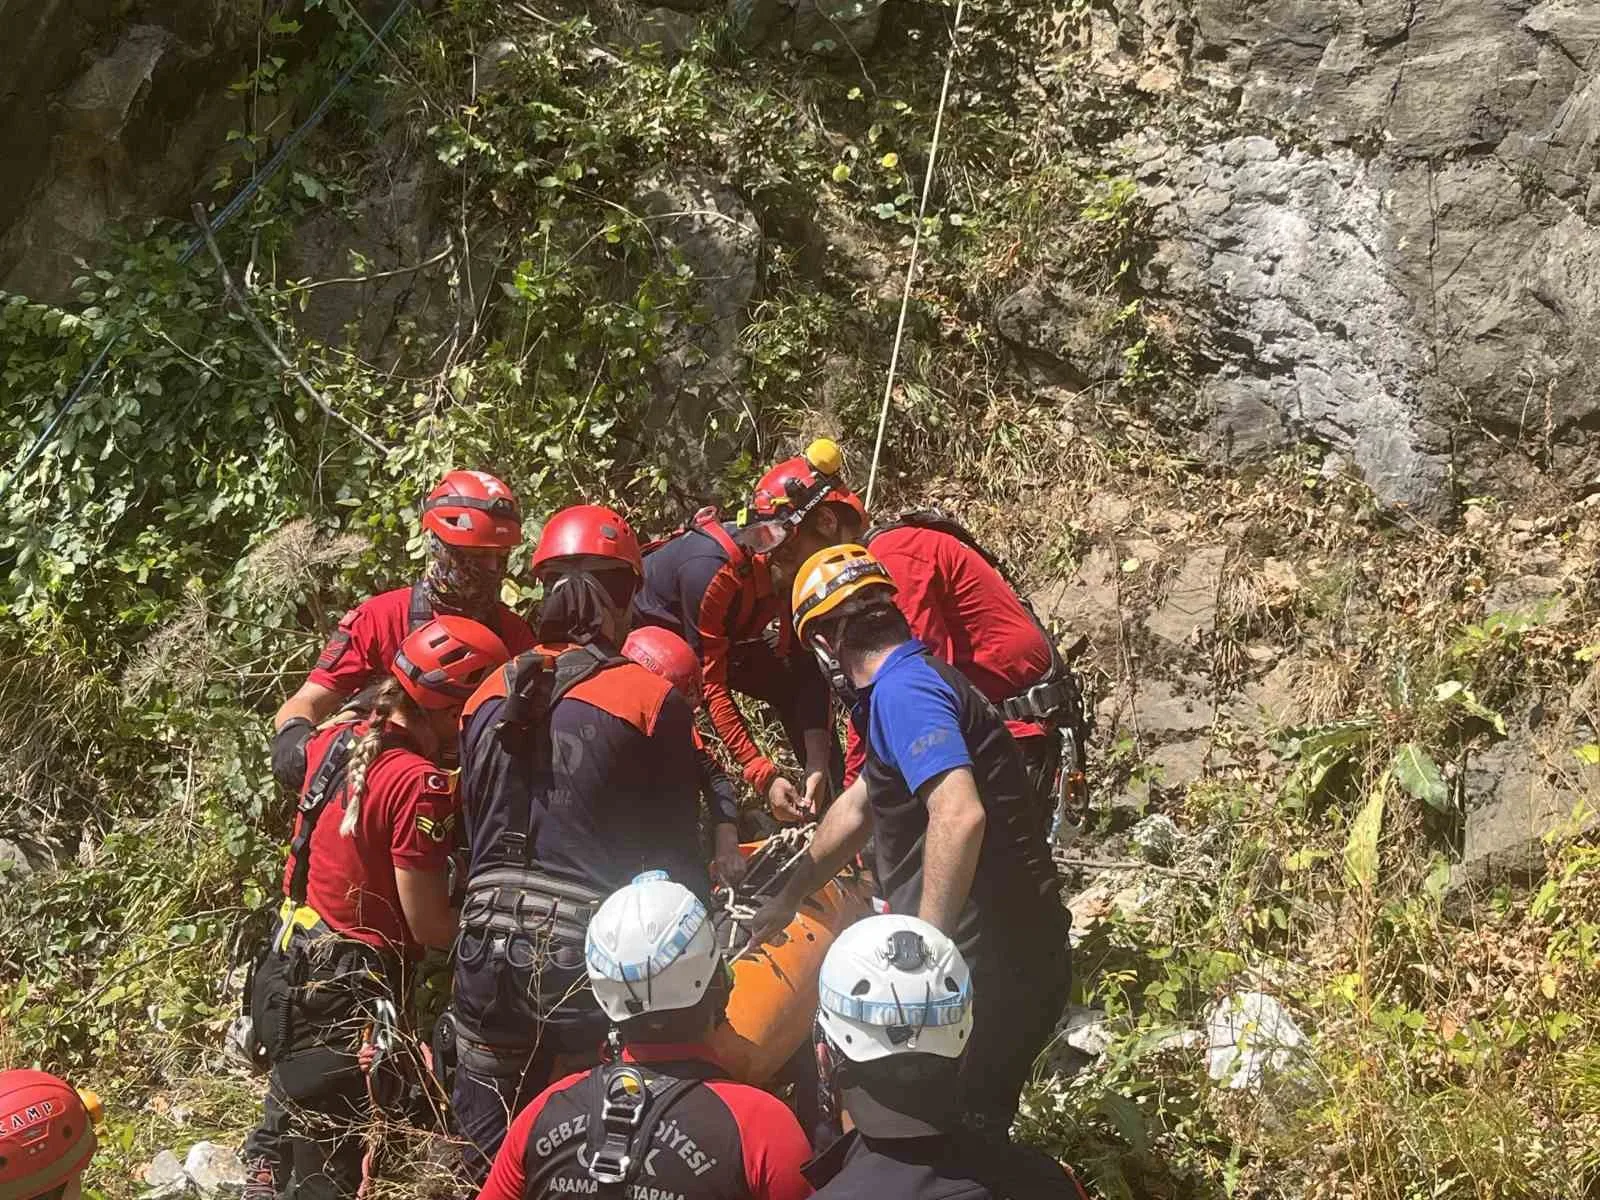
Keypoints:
pixel 919 718
pixel 914 717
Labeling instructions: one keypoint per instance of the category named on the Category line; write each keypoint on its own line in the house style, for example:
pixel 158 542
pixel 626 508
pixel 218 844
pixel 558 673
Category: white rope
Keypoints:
pixel 916 243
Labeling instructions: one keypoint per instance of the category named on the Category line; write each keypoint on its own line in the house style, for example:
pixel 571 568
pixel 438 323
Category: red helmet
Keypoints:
pixel 791 491
pixel 473 509
pixel 588 531
pixel 46 1133
pixel 442 664
pixel 669 656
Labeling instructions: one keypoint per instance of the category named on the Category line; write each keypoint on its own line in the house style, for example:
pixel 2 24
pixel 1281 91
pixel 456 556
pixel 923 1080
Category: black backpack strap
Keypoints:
pixel 327 780
pixel 623 1120
pixel 419 610
pixel 535 683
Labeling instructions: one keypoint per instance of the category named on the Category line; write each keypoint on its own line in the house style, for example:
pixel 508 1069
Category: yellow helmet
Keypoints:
pixel 831 577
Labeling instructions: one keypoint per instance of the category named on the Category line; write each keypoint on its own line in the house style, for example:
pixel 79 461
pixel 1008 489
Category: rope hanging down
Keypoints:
pixel 223 215
pixel 916 243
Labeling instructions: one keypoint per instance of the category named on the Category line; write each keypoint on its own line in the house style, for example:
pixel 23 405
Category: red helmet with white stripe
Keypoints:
pixel 475 510
pixel 46 1134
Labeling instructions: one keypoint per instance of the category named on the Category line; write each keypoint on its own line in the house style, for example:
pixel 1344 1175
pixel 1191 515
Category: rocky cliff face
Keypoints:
pixel 1384 228
pixel 1377 218
pixel 109 112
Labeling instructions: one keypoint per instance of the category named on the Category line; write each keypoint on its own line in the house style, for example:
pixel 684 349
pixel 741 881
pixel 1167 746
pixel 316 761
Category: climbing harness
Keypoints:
pixel 222 217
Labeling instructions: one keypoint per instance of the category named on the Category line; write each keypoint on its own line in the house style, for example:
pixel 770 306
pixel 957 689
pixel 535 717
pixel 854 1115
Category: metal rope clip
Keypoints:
pixel 621 1113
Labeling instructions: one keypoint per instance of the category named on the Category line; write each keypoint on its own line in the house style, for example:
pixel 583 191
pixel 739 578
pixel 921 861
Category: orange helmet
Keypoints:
pixel 475 510
pixel 791 491
pixel 831 577
pixel 442 664
pixel 46 1133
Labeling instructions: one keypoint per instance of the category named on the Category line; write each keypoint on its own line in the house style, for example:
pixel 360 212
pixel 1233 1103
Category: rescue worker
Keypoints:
pixel 718 595
pixel 365 891
pixel 47 1136
pixel 472 524
pixel 954 597
pixel 894 1019
pixel 578 772
pixel 946 800
pixel 661 1119
pixel 666 654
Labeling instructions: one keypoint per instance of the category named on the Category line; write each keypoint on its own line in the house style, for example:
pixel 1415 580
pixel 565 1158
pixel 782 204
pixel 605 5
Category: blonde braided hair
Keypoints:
pixel 390 698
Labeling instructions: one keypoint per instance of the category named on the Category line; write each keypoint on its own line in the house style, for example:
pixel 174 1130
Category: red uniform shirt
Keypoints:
pixel 963 610
pixel 407 820
pixel 772 1148
pixel 364 645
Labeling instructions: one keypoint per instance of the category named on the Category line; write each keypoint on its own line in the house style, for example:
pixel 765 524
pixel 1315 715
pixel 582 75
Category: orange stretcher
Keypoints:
pixel 774 998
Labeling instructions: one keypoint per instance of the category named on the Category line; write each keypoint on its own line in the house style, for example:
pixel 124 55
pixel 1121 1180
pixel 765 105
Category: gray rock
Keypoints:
pixel 670 28
pixel 492 61
pixel 1190 608
pixel 1424 261
pixel 1156 838
pixel 215 1170
pixel 1085 603
pixel 166 1178
pixel 14 863
pixel 1163 711
pixel 838 30
pixel 1519 794
pixel 1068 327
pixel 706 224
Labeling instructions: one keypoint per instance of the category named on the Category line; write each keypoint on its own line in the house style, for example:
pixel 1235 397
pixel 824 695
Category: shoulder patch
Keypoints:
pixel 436 829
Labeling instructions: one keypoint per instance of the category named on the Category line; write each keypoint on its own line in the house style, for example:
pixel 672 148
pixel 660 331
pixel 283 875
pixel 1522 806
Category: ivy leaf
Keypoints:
pixel 841 172
pixel 890 161
pixel 1415 770
pixel 1361 851
pixel 1588 754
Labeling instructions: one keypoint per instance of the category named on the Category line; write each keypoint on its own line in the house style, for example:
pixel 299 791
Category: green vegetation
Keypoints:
pixel 175 559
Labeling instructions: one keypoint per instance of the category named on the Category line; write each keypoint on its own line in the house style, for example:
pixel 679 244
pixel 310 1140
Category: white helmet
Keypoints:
pixel 895 985
pixel 651 948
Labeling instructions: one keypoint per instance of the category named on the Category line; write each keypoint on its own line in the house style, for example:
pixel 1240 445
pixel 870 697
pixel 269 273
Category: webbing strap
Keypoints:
pixel 709 522
pixel 535 684
pixel 621 1127
pixel 419 610
pixel 327 780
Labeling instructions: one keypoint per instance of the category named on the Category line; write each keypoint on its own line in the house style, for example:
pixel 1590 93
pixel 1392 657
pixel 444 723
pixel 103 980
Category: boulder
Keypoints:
pixel 670 28
pixel 837 30
pixel 1067 327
